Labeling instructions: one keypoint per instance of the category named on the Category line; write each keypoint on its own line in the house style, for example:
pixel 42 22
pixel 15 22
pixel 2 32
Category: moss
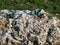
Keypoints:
pixel 52 26
pixel 20 36
pixel 50 16
pixel 34 40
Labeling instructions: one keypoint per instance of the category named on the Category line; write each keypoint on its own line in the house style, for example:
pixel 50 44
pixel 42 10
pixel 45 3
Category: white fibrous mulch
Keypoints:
pixel 28 27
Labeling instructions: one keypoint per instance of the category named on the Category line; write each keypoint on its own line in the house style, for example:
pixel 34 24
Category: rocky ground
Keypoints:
pixel 28 28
